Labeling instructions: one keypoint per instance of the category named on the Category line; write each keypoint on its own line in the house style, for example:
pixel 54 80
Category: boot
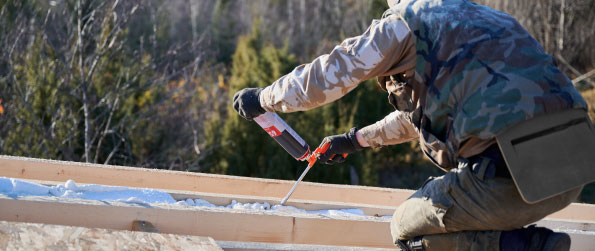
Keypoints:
pixel 534 238
pixel 414 244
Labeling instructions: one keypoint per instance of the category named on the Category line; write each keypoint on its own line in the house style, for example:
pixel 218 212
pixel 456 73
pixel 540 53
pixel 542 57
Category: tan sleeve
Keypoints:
pixel 395 128
pixel 386 47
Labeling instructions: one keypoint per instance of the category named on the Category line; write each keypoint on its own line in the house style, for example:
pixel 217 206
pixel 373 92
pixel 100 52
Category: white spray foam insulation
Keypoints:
pixel 16 187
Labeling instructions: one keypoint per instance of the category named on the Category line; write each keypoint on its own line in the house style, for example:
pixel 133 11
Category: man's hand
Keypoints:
pixel 246 103
pixel 340 144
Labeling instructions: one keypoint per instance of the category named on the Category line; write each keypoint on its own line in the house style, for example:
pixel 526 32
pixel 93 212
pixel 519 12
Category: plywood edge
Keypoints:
pixel 581 242
pixel 220 225
pixel 242 246
pixel 51 170
pixel 29 236
pixel 560 224
pixel 576 211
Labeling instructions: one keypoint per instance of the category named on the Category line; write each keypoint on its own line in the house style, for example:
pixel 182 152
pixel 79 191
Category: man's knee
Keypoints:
pixel 395 225
pixel 417 216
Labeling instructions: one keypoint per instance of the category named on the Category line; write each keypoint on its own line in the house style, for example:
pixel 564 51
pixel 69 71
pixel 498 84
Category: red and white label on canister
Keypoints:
pixel 273 131
pixel 284 135
pixel 274 126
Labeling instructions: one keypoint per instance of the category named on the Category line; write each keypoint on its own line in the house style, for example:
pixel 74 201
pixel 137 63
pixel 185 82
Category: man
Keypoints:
pixel 459 75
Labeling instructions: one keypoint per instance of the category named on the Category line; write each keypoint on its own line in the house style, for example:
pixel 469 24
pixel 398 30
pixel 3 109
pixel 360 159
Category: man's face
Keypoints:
pixel 391 2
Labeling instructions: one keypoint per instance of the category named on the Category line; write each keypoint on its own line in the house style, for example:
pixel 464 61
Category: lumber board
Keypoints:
pixel 224 225
pixel 51 170
pixel 33 236
pixel 232 229
pixel 577 212
pixel 309 195
pixel 243 246
pixel 581 242
pixel 571 225
pixel 554 221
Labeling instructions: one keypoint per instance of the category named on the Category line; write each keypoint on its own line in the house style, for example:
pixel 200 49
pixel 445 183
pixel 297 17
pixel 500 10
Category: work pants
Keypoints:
pixel 464 210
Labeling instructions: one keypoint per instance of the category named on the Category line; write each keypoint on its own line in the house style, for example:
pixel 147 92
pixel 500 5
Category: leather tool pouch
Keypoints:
pixel 550 154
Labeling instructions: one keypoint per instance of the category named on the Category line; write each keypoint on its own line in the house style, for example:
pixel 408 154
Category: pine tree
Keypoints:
pixel 47 124
pixel 248 150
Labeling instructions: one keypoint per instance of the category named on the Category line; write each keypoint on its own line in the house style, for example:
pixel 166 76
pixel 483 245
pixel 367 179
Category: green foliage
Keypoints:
pixel 46 103
pixel 44 114
pixel 246 148
pixel 378 8
pixel 224 39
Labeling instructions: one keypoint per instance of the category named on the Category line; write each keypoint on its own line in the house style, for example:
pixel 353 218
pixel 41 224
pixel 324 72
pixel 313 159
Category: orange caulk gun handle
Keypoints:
pixel 320 150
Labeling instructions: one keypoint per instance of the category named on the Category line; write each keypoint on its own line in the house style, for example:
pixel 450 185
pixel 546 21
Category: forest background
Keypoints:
pixel 149 83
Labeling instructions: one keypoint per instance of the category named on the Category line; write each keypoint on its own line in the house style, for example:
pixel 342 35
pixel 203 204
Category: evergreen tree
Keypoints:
pixel 248 150
pixel 47 122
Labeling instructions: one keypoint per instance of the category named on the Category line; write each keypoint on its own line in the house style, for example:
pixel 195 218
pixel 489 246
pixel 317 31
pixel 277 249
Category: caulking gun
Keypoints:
pixel 291 142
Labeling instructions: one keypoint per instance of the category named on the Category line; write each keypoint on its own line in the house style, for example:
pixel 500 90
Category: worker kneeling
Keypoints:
pixel 488 106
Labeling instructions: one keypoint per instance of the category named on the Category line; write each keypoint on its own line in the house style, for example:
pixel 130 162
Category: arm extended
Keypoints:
pixel 385 48
pixel 395 128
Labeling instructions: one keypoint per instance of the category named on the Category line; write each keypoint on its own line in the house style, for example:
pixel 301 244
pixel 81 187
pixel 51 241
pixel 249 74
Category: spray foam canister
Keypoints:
pixel 284 135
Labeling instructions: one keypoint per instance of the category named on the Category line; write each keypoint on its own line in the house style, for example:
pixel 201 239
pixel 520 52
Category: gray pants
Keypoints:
pixel 463 210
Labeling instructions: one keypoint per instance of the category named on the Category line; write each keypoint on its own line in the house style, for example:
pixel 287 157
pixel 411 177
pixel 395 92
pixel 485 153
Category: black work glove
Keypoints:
pixel 340 144
pixel 246 103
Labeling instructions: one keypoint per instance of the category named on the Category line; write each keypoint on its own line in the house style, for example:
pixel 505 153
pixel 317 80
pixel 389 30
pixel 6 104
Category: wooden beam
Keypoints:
pixel 308 196
pixel 228 226
pixel 577 212
pixel 28 236
pixel 566 218
pixel 567 225
pixel 50 170
pixel 252 246
pixel 221 225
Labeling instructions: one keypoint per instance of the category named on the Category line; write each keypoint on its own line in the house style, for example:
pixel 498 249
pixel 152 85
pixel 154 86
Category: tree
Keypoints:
pixel 249 152
pixel 81 91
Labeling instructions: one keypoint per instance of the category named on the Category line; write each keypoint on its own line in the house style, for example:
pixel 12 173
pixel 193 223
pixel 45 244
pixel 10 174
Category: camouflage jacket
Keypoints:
pixel 385 48
pixel 460 73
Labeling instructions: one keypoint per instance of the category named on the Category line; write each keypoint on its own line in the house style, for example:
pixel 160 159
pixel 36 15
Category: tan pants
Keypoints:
pixel 465 211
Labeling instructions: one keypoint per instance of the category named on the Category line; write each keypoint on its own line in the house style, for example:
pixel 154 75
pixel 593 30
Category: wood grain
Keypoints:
pixel 29 236
pixel 224 225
